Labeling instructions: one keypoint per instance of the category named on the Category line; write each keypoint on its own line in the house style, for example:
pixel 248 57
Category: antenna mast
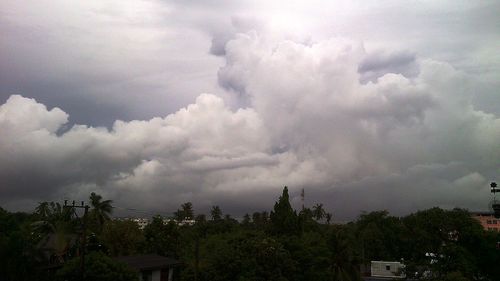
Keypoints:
pixel 302 196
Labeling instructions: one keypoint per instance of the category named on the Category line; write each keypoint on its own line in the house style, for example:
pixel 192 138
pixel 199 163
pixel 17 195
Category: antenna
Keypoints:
pixel 302 197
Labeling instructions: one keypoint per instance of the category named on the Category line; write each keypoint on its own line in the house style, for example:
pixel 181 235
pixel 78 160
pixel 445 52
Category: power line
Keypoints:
pixel 167 214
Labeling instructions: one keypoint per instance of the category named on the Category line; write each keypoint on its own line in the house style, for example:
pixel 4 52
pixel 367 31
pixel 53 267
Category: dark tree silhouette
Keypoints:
pixel 216 213
pixel 283 218
pixel 101 210
pixel 318 212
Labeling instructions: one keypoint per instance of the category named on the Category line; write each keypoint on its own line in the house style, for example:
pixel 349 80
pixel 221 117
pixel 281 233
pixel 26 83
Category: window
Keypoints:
pixel 387 267
pixel 488 221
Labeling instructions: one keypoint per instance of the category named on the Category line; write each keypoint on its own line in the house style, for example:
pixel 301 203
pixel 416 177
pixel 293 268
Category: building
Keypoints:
pixel 487 220
pixel 387 269
pixel 142 222
pixel 151 267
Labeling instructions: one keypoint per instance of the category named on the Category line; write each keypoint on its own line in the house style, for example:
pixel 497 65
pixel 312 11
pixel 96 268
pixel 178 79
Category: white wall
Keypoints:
pixel 379 268
pixel 156 275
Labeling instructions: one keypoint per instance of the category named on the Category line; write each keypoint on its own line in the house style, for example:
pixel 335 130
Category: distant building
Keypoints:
pixel 487 220
pixel 387 269
pixel 142 222
pixel 187 222
pixel 151 267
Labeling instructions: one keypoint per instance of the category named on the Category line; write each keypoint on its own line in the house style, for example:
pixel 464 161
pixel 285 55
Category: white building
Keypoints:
pixel 387 269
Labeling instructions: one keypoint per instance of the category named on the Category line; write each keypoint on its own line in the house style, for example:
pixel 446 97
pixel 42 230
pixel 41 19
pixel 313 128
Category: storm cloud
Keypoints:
pixel 226 110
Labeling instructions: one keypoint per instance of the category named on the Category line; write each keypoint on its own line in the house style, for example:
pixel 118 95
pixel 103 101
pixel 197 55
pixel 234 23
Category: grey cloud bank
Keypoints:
pixel 360 124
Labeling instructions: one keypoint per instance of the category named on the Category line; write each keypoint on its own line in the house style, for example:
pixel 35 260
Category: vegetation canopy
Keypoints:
pixel 282 244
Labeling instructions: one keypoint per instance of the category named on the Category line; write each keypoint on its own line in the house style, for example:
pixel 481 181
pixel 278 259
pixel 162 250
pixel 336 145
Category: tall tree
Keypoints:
pixel 101 210
pixel 283 218
pixel 187 209
pixel 185 212
pixel 216 213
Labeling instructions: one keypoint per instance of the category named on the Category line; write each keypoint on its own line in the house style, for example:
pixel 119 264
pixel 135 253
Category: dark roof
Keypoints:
pixel 148 262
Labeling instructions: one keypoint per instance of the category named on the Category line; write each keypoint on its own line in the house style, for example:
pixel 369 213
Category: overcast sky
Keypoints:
pixel 367 105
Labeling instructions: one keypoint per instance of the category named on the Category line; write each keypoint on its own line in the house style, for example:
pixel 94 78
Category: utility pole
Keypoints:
pixel 495 205
pixel 83 238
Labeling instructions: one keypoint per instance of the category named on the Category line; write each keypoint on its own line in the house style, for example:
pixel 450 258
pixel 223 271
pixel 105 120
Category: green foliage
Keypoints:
pixel 216 213
pixel 98 267
pixel 122 237
pixel 18 255
pixel 380 236
pixel 240 256
pixel 186 212
pixel 161 238
pixel 246 220
pixel 328 217
pixel 56 231
pixel 344 265
pixel 435 244
pixel 284 219
pixel 457 242
pixel 100 212
pixel 318 212
pixel 260 220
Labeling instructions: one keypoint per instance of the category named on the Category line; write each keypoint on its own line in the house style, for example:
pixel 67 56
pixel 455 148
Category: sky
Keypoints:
pixel 366 105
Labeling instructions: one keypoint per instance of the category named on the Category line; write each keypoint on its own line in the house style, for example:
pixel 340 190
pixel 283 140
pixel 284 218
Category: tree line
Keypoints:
pixel 282 244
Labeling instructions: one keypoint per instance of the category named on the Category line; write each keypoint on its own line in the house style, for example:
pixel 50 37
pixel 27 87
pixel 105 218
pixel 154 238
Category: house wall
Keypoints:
pixel 156 275
pixel 488 221
pixel 386 269
pixel 167 274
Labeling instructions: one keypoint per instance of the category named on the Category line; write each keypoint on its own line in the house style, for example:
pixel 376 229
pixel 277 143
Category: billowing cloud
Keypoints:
pixel 311 123
pixel 363 110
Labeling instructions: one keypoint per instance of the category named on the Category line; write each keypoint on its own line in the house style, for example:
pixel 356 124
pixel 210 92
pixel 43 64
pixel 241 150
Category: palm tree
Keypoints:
pixel 43 210
pixel 55 231
pixel 101 210
pixel 318 212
